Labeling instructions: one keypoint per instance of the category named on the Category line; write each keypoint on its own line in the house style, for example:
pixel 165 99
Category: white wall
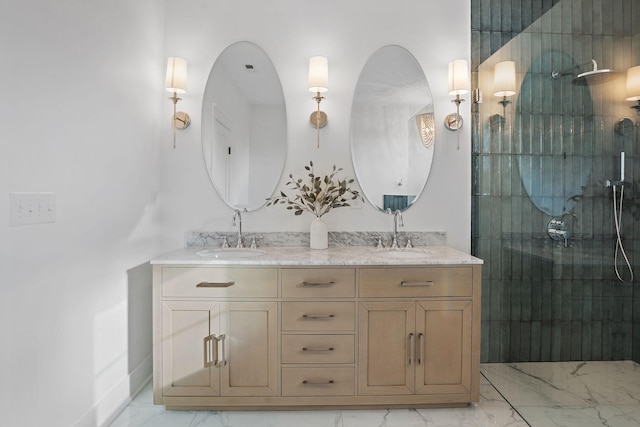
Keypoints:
pixel 80 116
pixel 347 32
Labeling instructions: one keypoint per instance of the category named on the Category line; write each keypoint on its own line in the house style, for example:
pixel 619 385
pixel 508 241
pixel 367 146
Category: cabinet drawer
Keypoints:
pixel 416 282
pixel 318 349
pixel 318 381
pixel 318 316
pixel 318 282
pixel 219 282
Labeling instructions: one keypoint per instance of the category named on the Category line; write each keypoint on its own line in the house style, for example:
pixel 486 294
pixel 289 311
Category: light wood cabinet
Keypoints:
pixel 419 347
pixel 210 348
pixel 254 337
pixel 443 347
pixel 210 342
pixel 386 365
pixel 416 331
pixel 187 360
pixel 220 348
pixel 318 330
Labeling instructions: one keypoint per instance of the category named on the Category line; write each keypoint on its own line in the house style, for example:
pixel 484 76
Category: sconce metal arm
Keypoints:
pixel 175 100
pixel 318 118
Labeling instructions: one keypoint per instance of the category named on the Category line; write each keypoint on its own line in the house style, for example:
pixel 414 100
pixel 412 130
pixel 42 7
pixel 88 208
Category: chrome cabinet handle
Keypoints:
pixel 413 284
pixel 223 360
pixel 412 347
pixel 215 284
pixel 212 351
pixel 312 284
pixel 209 351
pixel 317 348
pixel 307 382
pixel 317 316
pixel 216 353
pixel 421 345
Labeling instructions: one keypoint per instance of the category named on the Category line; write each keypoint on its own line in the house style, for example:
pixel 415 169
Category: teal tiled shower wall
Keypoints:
pixel 546 155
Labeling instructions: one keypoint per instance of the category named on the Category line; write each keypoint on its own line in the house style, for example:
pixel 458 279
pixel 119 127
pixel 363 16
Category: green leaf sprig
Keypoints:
pixel 318 195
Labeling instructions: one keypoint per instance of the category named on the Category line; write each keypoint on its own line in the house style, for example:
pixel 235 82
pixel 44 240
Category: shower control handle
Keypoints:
pixel 558 229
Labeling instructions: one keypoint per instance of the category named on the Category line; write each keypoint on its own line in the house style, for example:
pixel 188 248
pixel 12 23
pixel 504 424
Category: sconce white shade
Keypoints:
pixel 318 74
pixel 633 84
pixel 458 77
pixel 504 79
pixel 176 80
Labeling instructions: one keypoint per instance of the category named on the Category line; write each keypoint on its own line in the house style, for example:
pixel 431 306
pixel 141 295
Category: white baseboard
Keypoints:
pixel 117 399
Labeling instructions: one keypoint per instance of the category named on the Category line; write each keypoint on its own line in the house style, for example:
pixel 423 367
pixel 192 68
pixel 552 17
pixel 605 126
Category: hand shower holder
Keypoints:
pixel 608 183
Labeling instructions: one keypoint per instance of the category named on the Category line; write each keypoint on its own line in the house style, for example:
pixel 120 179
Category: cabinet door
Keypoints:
pixel 385 360
pixel 443 338
pixel 187 359
pixel 250 343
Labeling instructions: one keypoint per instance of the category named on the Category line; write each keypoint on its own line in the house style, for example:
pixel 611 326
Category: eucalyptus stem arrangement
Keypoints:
pixel 318 195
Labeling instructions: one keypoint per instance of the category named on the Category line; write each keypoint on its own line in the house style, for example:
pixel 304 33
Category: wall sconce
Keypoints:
pixel 176 82
pixel 458 85
pixel 504 82
pixel 318 83
pixel 633 87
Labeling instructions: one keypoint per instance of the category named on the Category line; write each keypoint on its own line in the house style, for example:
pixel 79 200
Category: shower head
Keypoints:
pixel 594 76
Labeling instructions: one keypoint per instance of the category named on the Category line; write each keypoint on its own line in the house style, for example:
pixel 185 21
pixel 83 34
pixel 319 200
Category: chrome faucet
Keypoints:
pixel 397 216
pixel 237 220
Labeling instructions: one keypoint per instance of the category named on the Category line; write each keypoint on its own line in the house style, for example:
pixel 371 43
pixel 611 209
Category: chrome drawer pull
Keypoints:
pixel 421 352
pixel 215 284
pixel 409 284
pixel 306 382
pixel 317 316
pixel 317 348
pixel 311 284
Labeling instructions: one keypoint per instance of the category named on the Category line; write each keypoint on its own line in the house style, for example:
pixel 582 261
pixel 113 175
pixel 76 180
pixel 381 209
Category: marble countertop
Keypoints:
pixel 303 256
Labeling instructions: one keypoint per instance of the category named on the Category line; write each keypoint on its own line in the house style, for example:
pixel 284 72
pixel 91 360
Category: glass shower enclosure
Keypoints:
pixel 548 165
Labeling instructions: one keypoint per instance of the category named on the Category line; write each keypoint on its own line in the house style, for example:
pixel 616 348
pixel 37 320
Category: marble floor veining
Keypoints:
pixel 519 394
pixel 571 393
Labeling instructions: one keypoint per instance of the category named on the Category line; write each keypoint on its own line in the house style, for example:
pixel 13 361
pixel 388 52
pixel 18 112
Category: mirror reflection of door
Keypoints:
pixel 217 153
pixel 244 125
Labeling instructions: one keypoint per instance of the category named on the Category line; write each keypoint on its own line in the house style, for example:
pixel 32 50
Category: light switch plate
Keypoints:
pixel 32 208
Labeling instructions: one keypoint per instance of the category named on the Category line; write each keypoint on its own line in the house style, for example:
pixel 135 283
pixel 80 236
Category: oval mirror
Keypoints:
pixel 392 129
pixel 244 126
pixel 554 149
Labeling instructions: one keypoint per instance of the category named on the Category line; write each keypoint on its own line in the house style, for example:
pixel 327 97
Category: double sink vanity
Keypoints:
pixel 287 327
pixel 295 328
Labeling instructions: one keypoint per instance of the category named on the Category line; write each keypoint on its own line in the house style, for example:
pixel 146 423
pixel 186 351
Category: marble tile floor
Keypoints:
pixel 570 393
pixel 520 394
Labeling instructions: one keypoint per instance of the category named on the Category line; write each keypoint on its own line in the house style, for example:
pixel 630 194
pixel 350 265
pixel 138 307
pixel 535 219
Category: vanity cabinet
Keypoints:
pixel 332 336
pixel 415 348
pixel 410 344
pixel 216 337
pixel 211 348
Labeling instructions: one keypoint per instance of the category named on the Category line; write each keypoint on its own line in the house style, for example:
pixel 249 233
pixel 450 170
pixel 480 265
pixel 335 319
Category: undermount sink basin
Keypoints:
pixel 235 253
pixel 404 253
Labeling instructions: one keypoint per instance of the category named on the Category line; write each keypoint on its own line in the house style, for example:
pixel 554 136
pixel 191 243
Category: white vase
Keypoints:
pixel 319 235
